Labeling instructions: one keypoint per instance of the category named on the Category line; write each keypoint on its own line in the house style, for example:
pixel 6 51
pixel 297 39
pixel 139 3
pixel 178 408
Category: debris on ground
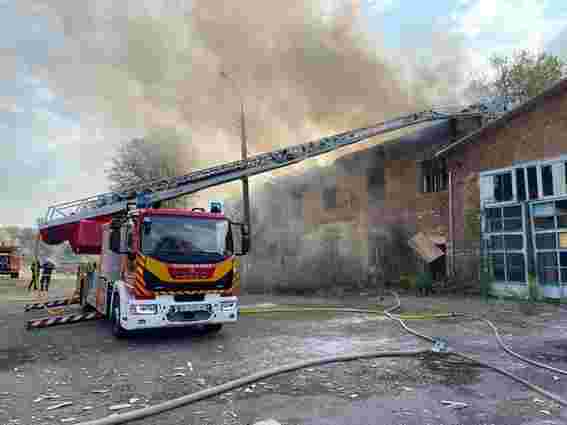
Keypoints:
pixel 58 406
pixel 556 378
pixel 454 404
pixel 119 406
pixel 267 422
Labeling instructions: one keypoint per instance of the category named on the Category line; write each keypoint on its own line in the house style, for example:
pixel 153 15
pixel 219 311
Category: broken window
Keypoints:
pixel 513 242
pixel 330 198
pixel 544 223
pixel 520 184
pixel 561 211
pixel 499 267
pixel 547 267
pixel 547 180
pixel 435 177
pixel 532 182
pixel 546 241
pixel 516 270
pixel 503 187
pixel 563 265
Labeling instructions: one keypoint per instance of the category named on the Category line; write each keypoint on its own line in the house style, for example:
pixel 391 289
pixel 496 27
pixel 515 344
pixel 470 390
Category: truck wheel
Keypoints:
pixel 15 275
pixel 213 328
pixel 117 330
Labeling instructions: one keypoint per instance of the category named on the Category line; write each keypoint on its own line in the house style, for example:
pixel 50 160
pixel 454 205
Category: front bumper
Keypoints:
pixel 170 315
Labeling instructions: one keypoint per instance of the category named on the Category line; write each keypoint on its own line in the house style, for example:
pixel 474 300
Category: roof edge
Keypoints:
pixel 554 90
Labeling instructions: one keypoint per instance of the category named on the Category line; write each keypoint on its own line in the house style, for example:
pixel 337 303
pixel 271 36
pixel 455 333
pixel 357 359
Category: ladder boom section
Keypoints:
pixel 107 204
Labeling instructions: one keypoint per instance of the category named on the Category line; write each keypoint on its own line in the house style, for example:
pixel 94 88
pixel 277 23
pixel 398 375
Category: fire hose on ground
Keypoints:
pixel 116 419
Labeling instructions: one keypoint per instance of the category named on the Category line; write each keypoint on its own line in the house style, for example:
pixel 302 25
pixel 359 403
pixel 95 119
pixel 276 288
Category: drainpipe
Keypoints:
pixel 451 236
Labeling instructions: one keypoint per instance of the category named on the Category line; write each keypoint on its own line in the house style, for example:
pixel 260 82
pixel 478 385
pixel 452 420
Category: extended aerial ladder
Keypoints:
pixel 108 204
pixel 61 219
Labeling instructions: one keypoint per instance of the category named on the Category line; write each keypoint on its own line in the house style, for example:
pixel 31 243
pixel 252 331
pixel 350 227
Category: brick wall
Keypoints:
pixel 535 135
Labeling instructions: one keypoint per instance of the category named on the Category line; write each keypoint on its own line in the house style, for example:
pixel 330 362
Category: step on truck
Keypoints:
pixel 162 268
pixel 10 261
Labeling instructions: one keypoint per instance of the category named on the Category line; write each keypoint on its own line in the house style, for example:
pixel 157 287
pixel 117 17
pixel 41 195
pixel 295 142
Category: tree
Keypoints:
pixel 517 77
pixel 160 155
pixel 140 160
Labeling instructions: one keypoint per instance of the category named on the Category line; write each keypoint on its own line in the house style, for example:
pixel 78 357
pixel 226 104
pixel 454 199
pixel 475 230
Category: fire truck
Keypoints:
pixel 173 267
pixel 10 260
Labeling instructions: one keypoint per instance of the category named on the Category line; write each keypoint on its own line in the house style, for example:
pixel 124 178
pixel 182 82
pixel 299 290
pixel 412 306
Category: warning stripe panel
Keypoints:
pixel 62 320
pixel 54 303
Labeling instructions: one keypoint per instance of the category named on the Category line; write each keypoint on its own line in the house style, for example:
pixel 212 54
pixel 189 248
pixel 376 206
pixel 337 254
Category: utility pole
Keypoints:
pixel 244 152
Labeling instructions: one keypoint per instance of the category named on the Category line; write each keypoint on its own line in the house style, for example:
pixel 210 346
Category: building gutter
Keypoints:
pixel 451 238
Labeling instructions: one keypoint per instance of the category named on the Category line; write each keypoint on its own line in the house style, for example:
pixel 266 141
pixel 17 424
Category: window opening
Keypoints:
pixel 532 182
pixel 547 180
pixel 503 187
pixel 520 184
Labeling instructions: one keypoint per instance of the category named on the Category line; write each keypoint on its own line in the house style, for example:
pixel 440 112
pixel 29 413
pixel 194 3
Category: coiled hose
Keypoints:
pixel 116 419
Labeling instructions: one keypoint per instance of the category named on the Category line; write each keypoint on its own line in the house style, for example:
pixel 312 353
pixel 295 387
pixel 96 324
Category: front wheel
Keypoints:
pixel 117 330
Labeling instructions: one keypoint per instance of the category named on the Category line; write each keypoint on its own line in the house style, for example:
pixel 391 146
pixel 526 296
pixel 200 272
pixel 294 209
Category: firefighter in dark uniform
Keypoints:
pixel 35 266
pixel 48 267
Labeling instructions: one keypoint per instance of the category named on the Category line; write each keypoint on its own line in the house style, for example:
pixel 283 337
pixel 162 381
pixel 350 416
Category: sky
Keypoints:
pixel 56 143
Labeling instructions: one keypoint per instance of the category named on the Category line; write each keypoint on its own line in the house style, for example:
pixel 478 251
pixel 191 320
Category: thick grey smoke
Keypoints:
pixel 302 69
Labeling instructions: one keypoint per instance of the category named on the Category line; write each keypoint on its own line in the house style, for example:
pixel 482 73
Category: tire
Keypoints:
pixel 213 328
pixel 15 275
pixel 117 330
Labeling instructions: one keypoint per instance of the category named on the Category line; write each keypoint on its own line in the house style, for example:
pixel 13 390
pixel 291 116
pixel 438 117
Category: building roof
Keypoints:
pixel 501 121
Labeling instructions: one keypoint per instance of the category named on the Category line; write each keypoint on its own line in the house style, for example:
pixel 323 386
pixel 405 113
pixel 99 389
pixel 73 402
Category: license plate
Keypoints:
pixel 200 307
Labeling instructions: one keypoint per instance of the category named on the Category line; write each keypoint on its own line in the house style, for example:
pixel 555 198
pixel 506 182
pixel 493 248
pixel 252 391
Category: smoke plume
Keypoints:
pixel 301 69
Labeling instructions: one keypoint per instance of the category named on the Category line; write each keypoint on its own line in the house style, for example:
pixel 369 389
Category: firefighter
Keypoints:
pixel 48 267
pixel 35 266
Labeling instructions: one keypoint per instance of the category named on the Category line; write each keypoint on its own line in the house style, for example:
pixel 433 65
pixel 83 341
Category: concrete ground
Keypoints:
pixel 84 365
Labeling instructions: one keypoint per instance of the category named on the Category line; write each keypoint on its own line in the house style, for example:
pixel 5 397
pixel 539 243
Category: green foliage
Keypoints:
pixel 519 76
pixel 472 224
pixel 533 290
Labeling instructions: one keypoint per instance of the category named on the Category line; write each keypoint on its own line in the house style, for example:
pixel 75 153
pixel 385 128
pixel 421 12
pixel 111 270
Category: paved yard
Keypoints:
pixel 83 364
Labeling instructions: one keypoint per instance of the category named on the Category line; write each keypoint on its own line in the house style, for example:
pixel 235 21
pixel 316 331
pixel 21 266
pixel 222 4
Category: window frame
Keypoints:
pixel 558 192
pixel 504 250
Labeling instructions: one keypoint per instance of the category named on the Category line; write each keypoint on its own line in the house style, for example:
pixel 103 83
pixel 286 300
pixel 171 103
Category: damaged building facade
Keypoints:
pixel 448 197
pixel 356 222
pixel 509 182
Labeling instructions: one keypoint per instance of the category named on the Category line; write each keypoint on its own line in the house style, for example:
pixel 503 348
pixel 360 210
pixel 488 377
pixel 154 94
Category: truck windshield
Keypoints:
pixel 182 239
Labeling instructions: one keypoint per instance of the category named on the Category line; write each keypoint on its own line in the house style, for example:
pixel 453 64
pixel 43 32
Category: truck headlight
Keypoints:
pixel 143 308
pixel 228 305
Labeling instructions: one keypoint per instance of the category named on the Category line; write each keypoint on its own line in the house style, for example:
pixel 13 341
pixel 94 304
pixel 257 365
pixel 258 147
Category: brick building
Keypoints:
pixel 383 196
pixel 512 174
